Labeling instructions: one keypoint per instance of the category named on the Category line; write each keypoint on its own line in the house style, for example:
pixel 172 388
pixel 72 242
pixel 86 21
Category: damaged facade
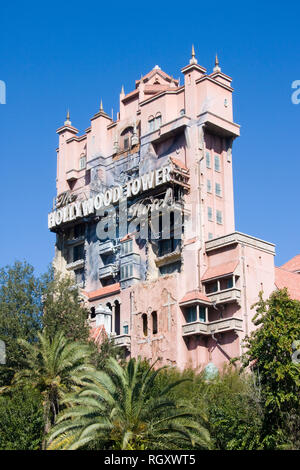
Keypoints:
pixel 184 298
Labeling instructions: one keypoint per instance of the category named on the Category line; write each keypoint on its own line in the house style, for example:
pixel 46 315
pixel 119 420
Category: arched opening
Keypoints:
pixel 154 322
pixel 145 324
pixel 126 136
pixel 117 317
pixel 92 312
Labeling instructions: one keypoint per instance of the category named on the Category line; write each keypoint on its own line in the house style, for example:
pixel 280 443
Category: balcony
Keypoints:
pixel 107 271
pixel 106 247
pixel 225 296
pixel 206 329
pixel 122 341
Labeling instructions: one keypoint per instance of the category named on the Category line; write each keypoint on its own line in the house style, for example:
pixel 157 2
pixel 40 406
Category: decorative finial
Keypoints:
pixel 122 90
pixel 101 106
pixel 193 60
pixel 67 121
pixel 217 68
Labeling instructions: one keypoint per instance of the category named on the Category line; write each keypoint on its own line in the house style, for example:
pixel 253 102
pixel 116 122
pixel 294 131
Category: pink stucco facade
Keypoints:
pixel 185 299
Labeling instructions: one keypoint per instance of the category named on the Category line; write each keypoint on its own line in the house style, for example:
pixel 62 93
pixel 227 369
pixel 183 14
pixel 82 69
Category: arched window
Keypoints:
pixel 157 120
pixel 93 313
pixel 126 136
pixel 82 162
pixel 145 324
pixel 151 123
pixel 117 317
pixel 154 322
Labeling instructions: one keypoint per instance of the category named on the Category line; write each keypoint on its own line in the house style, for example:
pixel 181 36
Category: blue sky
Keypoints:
pixel 71 54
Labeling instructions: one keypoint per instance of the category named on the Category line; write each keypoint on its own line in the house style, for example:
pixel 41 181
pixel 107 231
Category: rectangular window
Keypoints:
pixel 210 214
pixel 208 186
pixel 78 252
pixel 210 236
pixel 217 163
pixel 126 247
pixel 168 245
pixel 125 329
pixel 126 271
pixel 208 163
pixel 202 314
pixel 229 283
pixel 191 314
pixel 218 190
pixel 219 217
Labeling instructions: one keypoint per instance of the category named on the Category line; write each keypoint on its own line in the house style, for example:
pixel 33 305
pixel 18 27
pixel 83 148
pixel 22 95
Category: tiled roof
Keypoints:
pixel 293 264
pixel 103 292
pixel 220 270
pixel 289 280
pixel 194 295
pixel 178 163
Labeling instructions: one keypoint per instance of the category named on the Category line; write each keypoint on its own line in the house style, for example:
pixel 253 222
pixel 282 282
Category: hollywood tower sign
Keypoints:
pixel 185 299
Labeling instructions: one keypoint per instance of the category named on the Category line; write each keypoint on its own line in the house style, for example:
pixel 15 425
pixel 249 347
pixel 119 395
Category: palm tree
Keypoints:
pixel 55 366
pixel 121 408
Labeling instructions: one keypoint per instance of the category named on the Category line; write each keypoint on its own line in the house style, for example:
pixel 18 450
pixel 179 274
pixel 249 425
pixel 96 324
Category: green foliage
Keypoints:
pixel 63 309
pixel 55 366
pixel 20 314
pixel 123 409
pixel 235 414
pixel 21 421
pixel 269 352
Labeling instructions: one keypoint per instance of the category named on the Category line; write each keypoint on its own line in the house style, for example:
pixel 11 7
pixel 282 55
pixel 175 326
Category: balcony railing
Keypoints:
pixel 122 341
pixel 225 296
pixel 209 328
pixel 106 247
pixel 110 270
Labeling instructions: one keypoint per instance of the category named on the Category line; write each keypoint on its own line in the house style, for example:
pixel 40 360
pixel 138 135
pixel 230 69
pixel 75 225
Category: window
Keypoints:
pixel 218 190
pixel 154 322
pixel 191 314
pixel 126 138
pixel 151 123
pixel 208 186
pixel 229 283
pixel 210 214
pixel 166 246
pixel 217 163
pixel 82 163
pixel 182 112
pixel 210 236
pixel 79 276
pixel 125 329
pixel 126 247
pixel 78 252
pixel 79 230
pixel 126 271
pixel 145 324
pixel 157 121
pixel 208 163
pixel 211 287
pixel 202 313
pixel 219 217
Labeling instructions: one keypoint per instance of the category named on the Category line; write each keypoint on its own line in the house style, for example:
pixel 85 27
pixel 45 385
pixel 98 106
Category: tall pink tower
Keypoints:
pixel 184 299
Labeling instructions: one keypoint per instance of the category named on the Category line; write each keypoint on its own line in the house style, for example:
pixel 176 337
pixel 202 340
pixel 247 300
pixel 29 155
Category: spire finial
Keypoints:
pixel 67 121
pixel 193 60
pixel 217 67
pixel 101 105
pixel 122 90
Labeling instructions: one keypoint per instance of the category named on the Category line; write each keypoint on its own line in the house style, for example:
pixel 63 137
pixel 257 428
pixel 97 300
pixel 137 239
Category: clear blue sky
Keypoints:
pixel 56 55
